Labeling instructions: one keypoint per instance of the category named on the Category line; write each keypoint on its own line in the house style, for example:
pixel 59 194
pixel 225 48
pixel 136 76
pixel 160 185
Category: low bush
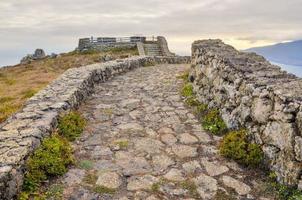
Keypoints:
pixel 213 122
pixel 71 125
pixel 235 145
pixel 49 160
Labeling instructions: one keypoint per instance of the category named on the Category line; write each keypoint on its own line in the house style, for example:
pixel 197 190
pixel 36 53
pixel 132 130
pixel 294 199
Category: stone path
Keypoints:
pixel 142 142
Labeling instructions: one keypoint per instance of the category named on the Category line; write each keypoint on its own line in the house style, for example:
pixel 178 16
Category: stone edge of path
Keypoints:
pixel 23 132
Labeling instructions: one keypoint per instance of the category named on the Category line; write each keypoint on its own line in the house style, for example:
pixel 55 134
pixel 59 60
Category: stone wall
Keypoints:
pixel 22 133
pixel 252 93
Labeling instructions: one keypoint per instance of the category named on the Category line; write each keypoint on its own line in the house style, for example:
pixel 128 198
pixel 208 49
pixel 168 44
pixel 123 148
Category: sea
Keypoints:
pixel 294 69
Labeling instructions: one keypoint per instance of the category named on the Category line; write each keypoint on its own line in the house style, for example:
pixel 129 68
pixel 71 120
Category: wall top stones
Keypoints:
pixel 251 92
pixel 253 68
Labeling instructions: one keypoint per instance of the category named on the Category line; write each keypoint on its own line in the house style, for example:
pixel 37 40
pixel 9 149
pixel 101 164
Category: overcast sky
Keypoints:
pixel 56 25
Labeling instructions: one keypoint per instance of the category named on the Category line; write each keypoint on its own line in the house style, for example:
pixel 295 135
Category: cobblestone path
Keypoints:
pixel 142 142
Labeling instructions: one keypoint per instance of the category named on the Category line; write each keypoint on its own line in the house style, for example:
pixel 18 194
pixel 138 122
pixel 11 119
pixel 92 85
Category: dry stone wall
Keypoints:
pixel 252 93
pixel 23 132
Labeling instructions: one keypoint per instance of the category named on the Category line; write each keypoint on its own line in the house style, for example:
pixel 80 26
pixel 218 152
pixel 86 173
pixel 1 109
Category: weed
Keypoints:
pixel 191 187
pixel 90 178
pixel 184 76
pixel 155 187
pixel 123 144
pixel 55 192
pixel 104 190
pixel 187 90
pixel 235 145
pixel 71 125
pixel 86 164
pixel 213 122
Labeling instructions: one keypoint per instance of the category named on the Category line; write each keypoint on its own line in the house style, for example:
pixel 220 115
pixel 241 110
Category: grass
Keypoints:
pixel 191 187
pixel 71 125
pixel 86 164
pixel 103 190
pixel 213 122
pixel 23 80
pixel 123 144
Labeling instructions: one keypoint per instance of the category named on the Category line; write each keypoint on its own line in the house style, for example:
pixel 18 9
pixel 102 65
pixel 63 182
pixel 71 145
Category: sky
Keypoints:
pixel 56 25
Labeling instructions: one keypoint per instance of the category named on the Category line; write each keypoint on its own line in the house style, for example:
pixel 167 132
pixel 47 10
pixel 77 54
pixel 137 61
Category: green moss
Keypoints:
pixel 187 90
pixel 213 122
pixel 104 190
pixel 71 125
pixel 236 146
pixel 49 160
pixel 86 164
pixel 155 187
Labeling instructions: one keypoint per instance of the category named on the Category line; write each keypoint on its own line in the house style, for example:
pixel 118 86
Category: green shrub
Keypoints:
pixel 49 160
pixel 235 145
pixel 213 122
pixel 71 125
pixel 187 90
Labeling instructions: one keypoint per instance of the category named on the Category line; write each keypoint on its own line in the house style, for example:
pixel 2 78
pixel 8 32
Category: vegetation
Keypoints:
pixel 51 159
pixel 283 192
pixel 213 122
pixel 123 144
pixel 86 164
pixel 235 145
pixel 104 190
pixel 24 80
pixel 71 125
pixel 184 76
pixel 191 187
pixel 187 90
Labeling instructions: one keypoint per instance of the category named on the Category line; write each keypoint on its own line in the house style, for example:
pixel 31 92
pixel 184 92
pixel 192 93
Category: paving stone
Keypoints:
pixel 109 180
pixel 132 165
pixel 184 151
pixel 174 175
pixel 187 138
pixel 240 187
pixel 161 162
pixel 74 177
pixel 206 186
pixel 148 145
pixel 191 166
pixel 168 139
pixel 141 182
pixel 214 168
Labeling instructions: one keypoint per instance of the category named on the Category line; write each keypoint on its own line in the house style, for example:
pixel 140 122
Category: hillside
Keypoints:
pixel 20 82
pixel 289 53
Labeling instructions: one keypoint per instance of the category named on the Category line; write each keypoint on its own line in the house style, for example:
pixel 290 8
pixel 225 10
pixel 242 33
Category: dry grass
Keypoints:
pixel 20 82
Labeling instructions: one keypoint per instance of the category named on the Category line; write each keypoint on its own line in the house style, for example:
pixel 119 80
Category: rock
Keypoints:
pixel 132 165
pixel 39 54
pixel 187 138
pixel 206 186
pixel 240 187
pixel 109 180
pixel 191 166
pixel 165 130
pixel 74 177
pixel 161 162
pixel 184 151
pixel 168 139
pixel 214 168
pixel 148 145
pixel 174 175
pixel 141 182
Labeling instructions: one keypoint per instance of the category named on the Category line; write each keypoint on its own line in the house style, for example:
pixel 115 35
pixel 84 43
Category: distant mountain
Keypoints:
pixel 289 53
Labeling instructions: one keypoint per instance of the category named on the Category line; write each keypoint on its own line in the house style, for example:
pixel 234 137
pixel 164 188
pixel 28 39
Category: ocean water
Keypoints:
pixel 297 70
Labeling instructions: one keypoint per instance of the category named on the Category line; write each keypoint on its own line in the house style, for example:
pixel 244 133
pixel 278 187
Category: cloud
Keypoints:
pixel 56 25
